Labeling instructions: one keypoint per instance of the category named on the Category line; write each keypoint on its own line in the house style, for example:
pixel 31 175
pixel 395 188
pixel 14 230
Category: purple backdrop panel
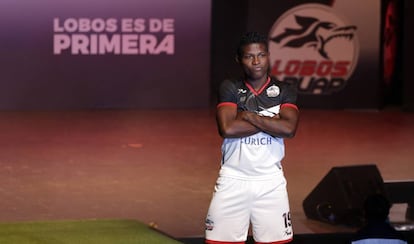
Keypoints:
pixel 74 54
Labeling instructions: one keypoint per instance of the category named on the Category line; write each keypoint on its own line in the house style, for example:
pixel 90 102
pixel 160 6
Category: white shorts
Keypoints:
pixel 237 203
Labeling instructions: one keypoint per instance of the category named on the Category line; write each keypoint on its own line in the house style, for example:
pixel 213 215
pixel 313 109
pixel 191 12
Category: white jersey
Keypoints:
pixel 253 157
pixel 257 156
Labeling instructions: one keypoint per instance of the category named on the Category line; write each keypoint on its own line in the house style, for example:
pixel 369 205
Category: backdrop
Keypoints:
pixel 71 54
pixel 329 49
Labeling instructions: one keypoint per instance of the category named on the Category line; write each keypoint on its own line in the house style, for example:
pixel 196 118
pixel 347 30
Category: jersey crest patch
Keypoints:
pixel 273 91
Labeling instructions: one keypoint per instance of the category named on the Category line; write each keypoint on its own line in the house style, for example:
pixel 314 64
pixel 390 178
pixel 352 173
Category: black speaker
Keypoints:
pixel 340 195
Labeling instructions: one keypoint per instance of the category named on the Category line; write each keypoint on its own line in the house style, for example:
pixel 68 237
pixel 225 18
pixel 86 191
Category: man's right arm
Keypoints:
pixel 230 124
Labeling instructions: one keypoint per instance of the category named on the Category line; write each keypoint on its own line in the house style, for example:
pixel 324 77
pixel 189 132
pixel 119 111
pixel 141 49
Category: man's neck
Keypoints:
pixel 257 84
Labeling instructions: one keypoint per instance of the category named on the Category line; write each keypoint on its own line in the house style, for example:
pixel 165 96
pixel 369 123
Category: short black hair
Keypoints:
pixel 377 207
pixel 249 38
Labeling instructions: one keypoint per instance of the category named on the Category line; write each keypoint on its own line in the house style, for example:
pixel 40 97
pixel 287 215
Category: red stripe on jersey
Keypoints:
pixel 260 90
pixel 291 105
pixel 226 104
pixel 224 242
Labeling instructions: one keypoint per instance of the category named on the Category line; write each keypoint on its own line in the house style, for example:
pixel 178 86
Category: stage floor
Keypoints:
pixel 160 166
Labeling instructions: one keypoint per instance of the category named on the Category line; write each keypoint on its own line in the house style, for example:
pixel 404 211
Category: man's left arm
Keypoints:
pixel 283 124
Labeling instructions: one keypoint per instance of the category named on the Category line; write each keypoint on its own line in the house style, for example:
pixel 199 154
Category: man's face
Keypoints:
pixel 255 61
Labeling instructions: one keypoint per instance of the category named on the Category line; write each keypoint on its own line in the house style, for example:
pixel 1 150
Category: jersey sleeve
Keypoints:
pixel 289 94
pixel 227 93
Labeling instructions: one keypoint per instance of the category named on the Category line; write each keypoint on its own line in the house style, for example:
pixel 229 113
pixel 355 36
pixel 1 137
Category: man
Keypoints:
pixel 254 114
pixel 377 229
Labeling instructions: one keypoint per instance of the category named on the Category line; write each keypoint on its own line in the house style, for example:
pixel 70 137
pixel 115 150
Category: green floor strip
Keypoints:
pixel 82 232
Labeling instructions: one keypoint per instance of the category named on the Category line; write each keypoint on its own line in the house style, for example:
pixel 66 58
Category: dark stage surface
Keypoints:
pixel 160 166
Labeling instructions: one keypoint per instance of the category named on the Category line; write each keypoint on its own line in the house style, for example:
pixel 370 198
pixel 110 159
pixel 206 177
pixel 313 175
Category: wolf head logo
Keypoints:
pixel 313 33
pixel 314 47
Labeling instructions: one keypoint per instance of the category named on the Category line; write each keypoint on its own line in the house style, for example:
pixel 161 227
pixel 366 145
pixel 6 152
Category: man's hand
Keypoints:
pixel 245 115
pixel 281 125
